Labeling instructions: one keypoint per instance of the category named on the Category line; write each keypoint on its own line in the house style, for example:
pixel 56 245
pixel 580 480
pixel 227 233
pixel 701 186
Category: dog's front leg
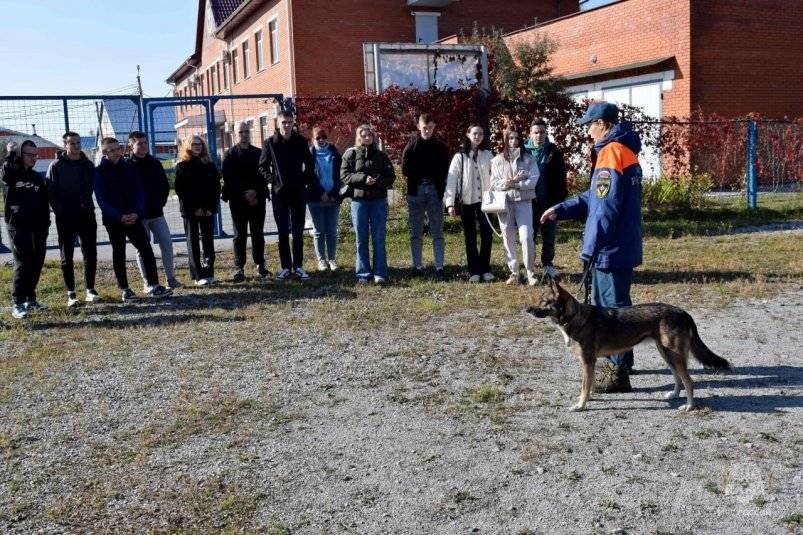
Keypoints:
pixel 587 370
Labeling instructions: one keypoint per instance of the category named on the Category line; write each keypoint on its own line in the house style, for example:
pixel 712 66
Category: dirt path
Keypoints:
pixel 454 424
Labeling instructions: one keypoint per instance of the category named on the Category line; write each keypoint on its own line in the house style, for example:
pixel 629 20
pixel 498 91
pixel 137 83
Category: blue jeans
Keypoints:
pixel 324 229
pixel 370 215
pixel 426 202
pixel 611 288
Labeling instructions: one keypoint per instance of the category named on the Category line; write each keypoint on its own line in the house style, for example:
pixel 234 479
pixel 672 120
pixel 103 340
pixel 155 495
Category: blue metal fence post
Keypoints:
pixel 752 157
pixel 211 139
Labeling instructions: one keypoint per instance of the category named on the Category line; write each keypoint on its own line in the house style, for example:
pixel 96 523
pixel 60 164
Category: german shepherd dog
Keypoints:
pixel 595 332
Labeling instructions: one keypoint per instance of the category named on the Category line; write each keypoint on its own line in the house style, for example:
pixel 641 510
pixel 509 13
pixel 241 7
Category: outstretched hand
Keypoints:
pixel 549 215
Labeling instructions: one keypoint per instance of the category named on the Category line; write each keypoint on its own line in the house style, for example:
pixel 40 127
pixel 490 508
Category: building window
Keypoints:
pixel 263 127
pixel 213 79
pixel 260 52
pixel 225 75
pixel 246 59
pixel 235 66
pixel 208 83
pixel 273 31
pixel 217 75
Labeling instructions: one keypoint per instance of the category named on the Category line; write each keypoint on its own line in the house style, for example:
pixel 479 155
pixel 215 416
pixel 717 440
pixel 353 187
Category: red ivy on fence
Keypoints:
pixel 699 143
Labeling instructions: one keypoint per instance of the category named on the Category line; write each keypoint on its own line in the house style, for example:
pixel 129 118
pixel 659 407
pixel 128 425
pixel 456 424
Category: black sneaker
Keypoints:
pixel 129 295
pixel 262 271
pixel 440 275
pixel 238 276
pixel 160 291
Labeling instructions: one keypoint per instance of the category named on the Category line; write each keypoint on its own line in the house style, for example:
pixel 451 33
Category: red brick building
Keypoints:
pixel 308 47
pixel 673 57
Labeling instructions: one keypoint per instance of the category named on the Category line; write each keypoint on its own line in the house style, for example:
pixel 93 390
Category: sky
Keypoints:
pixel 93 46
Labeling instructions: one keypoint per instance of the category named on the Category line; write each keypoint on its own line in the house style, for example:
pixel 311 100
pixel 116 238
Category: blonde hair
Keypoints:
pixel 186 149
pixel 357 142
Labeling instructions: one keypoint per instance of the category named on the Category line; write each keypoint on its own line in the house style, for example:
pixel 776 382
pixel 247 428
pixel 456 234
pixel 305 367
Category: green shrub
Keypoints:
pixel 675 193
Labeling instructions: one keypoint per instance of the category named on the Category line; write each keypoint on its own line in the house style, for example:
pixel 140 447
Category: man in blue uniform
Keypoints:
pixel 612 210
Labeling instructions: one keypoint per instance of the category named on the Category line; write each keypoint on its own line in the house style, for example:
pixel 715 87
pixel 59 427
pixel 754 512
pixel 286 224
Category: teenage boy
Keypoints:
pixel 287 165
pixel 425 165
pixel 549 191
pixel 156 189
pixel 118 189
pixel 70 183
pixel 246 191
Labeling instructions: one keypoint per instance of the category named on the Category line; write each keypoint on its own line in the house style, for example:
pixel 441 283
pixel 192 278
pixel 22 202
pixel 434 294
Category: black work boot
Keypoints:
pixel 612 379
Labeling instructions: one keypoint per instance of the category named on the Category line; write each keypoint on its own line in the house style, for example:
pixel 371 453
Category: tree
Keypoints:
pixel 523 73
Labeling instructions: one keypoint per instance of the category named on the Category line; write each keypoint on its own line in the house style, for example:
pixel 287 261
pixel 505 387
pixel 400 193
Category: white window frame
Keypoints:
pixel 245 46
pixel 259 48
pixel 275 49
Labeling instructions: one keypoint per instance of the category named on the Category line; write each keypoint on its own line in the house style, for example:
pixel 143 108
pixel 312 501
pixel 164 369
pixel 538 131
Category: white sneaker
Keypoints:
pixel 202 282
pixel 300 273
pixel 332 265
pixel 551 272
pixel 322 265
pixel 18 311
pixel 283 275
pixel 488 277
pixel 474 278
pixel 72 300
pixel 531 279
pixel 379 280
pixel 92 296
pixel 513 279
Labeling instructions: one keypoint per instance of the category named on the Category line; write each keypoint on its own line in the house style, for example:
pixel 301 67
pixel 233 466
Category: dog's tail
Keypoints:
pixel 704 355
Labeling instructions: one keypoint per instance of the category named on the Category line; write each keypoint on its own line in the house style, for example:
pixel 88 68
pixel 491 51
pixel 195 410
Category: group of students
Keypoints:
pixel 294 174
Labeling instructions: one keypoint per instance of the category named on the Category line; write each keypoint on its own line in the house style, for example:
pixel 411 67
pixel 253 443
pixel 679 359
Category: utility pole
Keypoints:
pixel 139 83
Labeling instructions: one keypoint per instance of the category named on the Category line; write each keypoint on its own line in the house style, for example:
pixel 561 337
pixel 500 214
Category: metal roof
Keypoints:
pixel 123 116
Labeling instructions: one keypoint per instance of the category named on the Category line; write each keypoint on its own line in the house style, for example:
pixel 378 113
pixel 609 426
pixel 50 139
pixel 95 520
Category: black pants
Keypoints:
pixel 547 231
pixel 84 227
pixel 290 215
pixel 199 232
pixel 245 216
pixel 479 261
pixel 28 247
pixel 138 237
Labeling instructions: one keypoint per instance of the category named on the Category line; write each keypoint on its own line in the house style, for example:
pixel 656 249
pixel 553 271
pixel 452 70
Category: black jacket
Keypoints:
pixel 241 173
pixel 315 190
pixel 197 186
pixel 70 184
pixel 25 194
pixel 296 167
pixel 555 177
pixel 154 183
pixel 360 163
pixel 425 160
pixel 118 189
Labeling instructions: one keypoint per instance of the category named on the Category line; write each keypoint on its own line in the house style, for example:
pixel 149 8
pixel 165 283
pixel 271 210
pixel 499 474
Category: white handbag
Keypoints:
pixel 494 202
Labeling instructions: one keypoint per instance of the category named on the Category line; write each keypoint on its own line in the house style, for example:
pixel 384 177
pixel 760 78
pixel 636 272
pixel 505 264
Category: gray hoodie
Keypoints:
pixel 70 185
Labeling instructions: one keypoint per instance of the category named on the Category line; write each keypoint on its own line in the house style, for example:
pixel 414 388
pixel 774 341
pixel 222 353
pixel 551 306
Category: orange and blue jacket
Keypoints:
pixel 612 205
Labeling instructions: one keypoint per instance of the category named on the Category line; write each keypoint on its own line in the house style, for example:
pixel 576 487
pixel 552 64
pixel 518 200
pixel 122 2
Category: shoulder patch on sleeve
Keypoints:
pixel 603 184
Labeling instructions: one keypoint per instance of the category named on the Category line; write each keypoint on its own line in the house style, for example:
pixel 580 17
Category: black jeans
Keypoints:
pixel 479 261
pixel 138 237
pixel 547 233
pixel 244 216
pixel 200 229
pixel 84 227
pixel 28 246
pixel 290 215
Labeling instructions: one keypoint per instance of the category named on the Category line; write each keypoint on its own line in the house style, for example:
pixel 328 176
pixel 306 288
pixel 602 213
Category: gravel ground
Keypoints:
pixel 243 419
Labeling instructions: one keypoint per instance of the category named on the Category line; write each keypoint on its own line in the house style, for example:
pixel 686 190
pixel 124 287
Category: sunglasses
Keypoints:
pixel 320 138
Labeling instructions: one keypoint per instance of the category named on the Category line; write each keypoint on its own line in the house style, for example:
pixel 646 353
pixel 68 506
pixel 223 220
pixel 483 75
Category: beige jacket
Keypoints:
pixel 501 170
pixel 468 177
